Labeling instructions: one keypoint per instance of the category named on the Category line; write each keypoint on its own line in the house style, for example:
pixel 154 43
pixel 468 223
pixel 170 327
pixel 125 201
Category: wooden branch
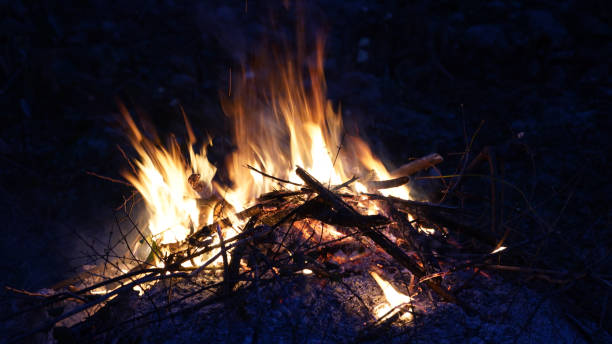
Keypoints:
pixel 233 269
pixel 275 195
pixel 388 184
pixel 50 323
pixel 380 239
pixel 322 212
pixel 443 215
pixel 225 262
pixel 418 165
pixel 410 233
pixel 271 176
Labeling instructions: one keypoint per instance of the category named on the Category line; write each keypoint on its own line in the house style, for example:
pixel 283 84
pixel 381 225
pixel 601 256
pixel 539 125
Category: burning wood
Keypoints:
pixel 274 222
pixel 418 165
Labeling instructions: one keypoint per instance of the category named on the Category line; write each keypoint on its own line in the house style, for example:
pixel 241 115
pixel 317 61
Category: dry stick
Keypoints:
pixel 136 259
pixel 256 210
pixel 304 191
pixel 415 205
pixel 166 307
pixel 126 200
pixel 102 298
pixel 242 238
pixel 201 304
pixel 233 268
pixel 104 257
pixel 346 183
pixel 272 177
pixel 224 255
pixel 108 178
pixel 408 230
pixel 418 165
pixel 376 236
pixel 127 159
pixel 77 278
pixel 491 159
pixel 388 184
pixel 135 226
pixel 466 155
pixel 440 214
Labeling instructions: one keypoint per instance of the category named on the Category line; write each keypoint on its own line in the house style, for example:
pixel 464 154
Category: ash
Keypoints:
pixel 307 309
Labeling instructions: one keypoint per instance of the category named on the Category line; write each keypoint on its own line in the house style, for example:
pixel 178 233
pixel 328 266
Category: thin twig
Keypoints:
pixel 109 178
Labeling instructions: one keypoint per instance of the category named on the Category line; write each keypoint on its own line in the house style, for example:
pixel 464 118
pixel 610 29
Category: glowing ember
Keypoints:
pixel 395 300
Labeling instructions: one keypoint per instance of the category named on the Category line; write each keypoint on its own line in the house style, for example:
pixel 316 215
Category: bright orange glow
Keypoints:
pixel 279 123
pixel 281 119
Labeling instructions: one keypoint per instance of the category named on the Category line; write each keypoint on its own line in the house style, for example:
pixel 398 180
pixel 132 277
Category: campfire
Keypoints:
pixel 302 199
pixel 308 193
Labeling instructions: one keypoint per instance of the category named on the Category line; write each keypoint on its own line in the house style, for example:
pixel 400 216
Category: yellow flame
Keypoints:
pixel 161 177
pixel 394 298
pixel 280 123
pixel 281 118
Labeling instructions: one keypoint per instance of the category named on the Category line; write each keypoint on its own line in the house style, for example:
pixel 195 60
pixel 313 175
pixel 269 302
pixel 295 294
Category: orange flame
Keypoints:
pixel 281 118
pixel 279 123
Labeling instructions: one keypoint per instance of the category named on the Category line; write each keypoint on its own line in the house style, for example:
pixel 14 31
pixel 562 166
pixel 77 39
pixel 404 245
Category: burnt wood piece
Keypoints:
pixel 380 239
pixel 409 233
pixel 276 195
pixel 319 210
pixel 233 270
pixel 418 165
pixel 388 184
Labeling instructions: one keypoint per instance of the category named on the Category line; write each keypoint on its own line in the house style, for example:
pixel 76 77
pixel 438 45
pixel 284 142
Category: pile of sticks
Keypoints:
pixel 284 235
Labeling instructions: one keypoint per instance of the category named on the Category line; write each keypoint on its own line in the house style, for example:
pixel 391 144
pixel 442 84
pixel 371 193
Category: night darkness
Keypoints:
pixel 529 80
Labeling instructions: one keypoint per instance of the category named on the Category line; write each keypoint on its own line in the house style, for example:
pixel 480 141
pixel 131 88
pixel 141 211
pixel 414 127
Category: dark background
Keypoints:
pixel 416 77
